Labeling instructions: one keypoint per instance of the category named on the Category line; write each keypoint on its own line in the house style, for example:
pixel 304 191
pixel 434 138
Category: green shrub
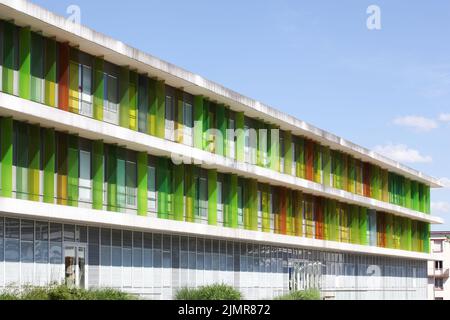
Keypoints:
pixel 301 295
pixel 63 292
pixel 211 292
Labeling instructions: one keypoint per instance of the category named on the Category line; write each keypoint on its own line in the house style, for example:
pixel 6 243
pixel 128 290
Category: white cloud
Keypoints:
pixel 445 182
pixel 417 123
pixel 402 153
pixel 440 207
pixel 444 117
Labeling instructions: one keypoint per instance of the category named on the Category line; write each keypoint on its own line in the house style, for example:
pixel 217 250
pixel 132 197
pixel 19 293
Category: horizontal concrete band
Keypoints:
pixel 32 210
pixel 32 112
pixel 97 44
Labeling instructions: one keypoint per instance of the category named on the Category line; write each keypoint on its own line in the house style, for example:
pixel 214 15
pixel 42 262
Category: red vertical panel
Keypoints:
pixel 319 216
pixel 283 210
pixel 309 160
pixel 63 77
pixel 366 179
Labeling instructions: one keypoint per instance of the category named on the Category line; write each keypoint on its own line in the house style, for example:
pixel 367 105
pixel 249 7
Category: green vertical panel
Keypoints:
pixel 408 202
pixel 337 169
pixel 121 179
pixel 298 214
pixel 212 197
pixel 221 127
pixel 37 67
pixel 415 195
pixel 407 234
pixel 363 226
pixel 354 224
pixel 143 104
pixel 317 163
pixel 288 153
pixel 160 114
pixel 389 230
pixel 253 205
pixel 73 173
pixel 142 183
pixel 152 106
pixel 98 88
pixel 49 165
pixel 24 62
pixel 265 208
pixel 334 221
pixel 50 72
pixel 234 201
pixel 124 98
pixel 344 173
pixel 326 166
pixel 301 165
pixel 34 157
pixel 133 101
pixel 8 58
pixel 6 137
pixel 111 178
pixel 351 175
pixel 179 116
pixel 178 192
pixel 374 182
pixel 427 200
pixel 275 148
pixel 426 237
pixel 421 198
pixel 206 125
pixel 198 122
pixel 162 178
pixel 21 151
pixel 190 193
pixel 240 139
pixel 97 174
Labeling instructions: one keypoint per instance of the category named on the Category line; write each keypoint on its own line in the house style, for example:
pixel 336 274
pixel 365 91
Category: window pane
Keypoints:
pixel 127 239
pixel 55 232
pixel 41 252
pixel 27 251
pixel 55 253
pixel 12 228
pixel 27 230
pixel 41 231
pixel 12 250
pixel 69 233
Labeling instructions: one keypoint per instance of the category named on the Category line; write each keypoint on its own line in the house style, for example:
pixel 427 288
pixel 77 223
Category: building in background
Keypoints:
pixel 439 266
pixel 91 194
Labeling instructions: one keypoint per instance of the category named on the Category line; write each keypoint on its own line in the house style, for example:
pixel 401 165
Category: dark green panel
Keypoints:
pixel 97 174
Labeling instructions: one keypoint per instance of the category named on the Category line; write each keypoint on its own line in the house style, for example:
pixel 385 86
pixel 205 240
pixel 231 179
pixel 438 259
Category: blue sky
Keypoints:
pixel 385 89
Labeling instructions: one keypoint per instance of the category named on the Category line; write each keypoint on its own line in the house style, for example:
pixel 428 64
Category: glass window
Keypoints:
pixel 137 249
pixel 220 217
pixel 27 251
pixel 192 253
pixel 94 246
pixel 167 260
pixel 184 253
pixel 27 230
pixel 12 249
pixel 157 251
pixel 81 234
pixel 131 183
pixel 148 252
pixel 69 233
pixel 203 197
pixel 175 252
pixel 85 76
pixel 12 228
pixel 240 206
pixel 55 232
pixel 85 176
pixel 116 248
pixel 152 201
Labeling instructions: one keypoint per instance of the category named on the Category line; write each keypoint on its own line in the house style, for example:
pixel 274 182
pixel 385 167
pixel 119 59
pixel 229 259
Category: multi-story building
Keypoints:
pixel 93 192
pixel 439 266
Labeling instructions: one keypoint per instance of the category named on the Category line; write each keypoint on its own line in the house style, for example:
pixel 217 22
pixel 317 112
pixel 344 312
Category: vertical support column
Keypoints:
pixel 240 139
pixel 34 158
pixel 63 77
pixel 198 122
pixel 111 178
pixel 212 197
pixel 124 97
pixel 160 112
pixel 97 174
pixel 133 102
pixel 50 72
pixel 73 171
pixel 24 62
pixel 8 58
pixel 98 88
pixel 6 137
pixel 142 183
pixel 62 167
pixel 49 165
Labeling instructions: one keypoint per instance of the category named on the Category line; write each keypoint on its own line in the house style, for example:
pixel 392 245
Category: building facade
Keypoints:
pixel 439 266
pixel 121 170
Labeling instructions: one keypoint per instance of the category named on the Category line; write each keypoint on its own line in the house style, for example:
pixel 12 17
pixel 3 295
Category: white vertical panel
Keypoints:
pixel 12 274
pixel 116 277
pixel 41 271
pixel 27 274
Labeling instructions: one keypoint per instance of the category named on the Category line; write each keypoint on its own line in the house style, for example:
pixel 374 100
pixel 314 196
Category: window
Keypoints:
pixel 85 87
pixel 12 236
pixel 27 241
pixel 282 149
pixel 260 207
pixel 247 144
pixel 151 184
pixel 240 206
pixel 85 183
pixel 231 137
pixel 41 244
pixel 438 265
pixel 110 103
pixel 143 104
pixel 439 284
pixel 293 172
pixel 437 245
pixel 105 248
pixel 170 115
pixel 188 123
pixel 272 213
pixel 202 192
pixel 131 180
pixel 55 243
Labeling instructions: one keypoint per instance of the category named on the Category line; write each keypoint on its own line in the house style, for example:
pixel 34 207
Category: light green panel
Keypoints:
pixel 190 191
pixel 222 128
pixel 142 183
pixel 8 58
pixel 21 130
pixel 111 178
pixel 162 183
pixel 363 226
pixel 121 179
pixel 160 112
pixel 275 149
pixel 212 197
pixel 24 62
pixel 34 157
pixel 152 106
pixel 178 192
pixel 234 201
pixel 288 153
pixel 50 72
pixel 98 88
pixel 133 100
pixel 326 166
pixel 73 171
pixel 198 122
pixel 97 174
pixel 37 67
pixel 49 165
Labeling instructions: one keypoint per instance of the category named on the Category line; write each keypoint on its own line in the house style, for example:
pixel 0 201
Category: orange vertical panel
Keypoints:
pixel 309 160
pixel 283 210
pixel 319 215
pixel 63 77
pixel 381 230
pixel 366 179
